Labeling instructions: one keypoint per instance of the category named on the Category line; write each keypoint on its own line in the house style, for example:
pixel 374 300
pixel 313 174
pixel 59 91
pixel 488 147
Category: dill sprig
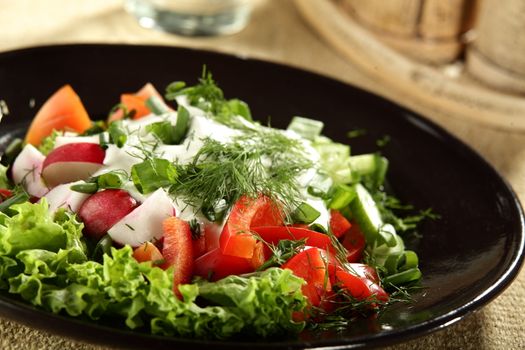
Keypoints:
pixel 209 97
pixel 264 161
pixel 404 217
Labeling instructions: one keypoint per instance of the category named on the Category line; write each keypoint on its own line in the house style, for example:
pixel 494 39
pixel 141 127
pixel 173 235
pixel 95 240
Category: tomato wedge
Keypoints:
pixel 178 251
pixel 312 267
pixel 338 223
pixel 236 238
pixel 137 102
pixel 359 286
pixel 214 265
pixel 274 234
pixel 148 252
pixel 354 242
pixel 62 111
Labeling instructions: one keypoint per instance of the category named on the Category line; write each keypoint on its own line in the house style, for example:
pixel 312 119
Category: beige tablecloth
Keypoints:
pixel 277 33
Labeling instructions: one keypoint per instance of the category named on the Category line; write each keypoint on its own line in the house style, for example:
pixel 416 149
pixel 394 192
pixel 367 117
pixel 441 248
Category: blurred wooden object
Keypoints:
pixel 427 30
pixel 445 88
pixel 497 56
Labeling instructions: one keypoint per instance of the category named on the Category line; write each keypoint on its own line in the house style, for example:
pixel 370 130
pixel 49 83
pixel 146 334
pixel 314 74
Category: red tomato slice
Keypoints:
pixel 199 245
pixel 137 102
pixel 62 111
pixel 312 267
pixel 148 252
pixel 354 242
pixel 178 251
pixel 274 234
pixel 214 265
pixel 236 238
pixel 359 287
pixel 338 223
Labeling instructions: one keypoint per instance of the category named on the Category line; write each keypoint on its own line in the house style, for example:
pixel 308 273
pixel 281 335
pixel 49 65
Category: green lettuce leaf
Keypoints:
pixel 43 259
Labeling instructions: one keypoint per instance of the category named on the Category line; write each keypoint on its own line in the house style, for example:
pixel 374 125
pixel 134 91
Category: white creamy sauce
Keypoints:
pixel 201 127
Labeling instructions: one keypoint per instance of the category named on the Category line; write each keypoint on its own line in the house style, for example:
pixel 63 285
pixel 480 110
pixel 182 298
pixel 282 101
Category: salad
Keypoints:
pixel 181 215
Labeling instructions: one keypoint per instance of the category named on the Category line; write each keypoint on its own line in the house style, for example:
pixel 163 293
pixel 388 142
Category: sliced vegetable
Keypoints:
pixel 366 213
pixel 339 225
pixel 147 251
pixel 72 162
pixel 214 265
pixel 304 214
pixel 236 238
pixel 311 266
pixel 136 103
pixel 354 242
pixel 307 128
pixel 177 251
pixel 274 234
pixel 103 210
pixel 62 111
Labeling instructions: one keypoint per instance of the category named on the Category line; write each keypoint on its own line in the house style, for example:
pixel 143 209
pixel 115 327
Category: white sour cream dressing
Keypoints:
pixel 200 128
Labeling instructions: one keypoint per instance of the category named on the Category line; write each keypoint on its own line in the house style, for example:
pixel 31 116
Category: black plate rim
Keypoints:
pixel 18 310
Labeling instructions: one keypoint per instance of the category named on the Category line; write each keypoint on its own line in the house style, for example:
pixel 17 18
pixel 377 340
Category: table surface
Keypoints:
pixel 277 33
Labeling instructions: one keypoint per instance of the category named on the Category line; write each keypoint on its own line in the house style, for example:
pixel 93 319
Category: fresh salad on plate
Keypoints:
pixel 181 215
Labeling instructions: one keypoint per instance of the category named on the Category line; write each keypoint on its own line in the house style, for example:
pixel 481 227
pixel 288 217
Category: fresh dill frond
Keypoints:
pixel 260 162
pixel 209 97
pixel 404 217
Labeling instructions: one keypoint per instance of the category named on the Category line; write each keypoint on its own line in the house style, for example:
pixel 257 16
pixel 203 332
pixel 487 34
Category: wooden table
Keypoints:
pixel 276 33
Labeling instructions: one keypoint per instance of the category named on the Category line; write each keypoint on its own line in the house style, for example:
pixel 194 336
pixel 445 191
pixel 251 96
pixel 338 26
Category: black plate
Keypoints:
pixel 467 257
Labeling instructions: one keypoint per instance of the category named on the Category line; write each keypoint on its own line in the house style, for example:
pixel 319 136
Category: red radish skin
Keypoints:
pixel 72 162
pixel 103 210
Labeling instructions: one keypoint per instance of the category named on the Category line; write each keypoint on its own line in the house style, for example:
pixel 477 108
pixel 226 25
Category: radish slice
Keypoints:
pixel 27 170
pixel 144 224
pixel 63 197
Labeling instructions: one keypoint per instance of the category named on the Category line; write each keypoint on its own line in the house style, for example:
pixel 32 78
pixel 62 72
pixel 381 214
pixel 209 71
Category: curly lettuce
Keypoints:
pixel 43 259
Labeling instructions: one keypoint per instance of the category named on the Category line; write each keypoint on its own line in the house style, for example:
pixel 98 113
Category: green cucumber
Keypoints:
pixel 366 213
pixel 371 167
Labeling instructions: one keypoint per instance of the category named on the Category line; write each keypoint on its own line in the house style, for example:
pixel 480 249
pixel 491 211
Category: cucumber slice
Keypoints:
pixel 366 213
pixel 372 167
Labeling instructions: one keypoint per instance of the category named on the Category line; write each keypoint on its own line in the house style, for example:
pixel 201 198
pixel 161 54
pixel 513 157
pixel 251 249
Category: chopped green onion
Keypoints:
pixel 103 247
pixel 156 105
pixel 96 128
pixel 342 196
pixel 112 179
pixel 182 125
pixel 12 150
pixel 152 174
pixel 401 262
pixel 171 134
pixel 304 214
pixel 173 88
pixel 117 135
pixel 17 198
pixel 163 130
pixel 88 187
pixel 307 128
pixel 404 277
pixel 318 228
pixel 238 107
